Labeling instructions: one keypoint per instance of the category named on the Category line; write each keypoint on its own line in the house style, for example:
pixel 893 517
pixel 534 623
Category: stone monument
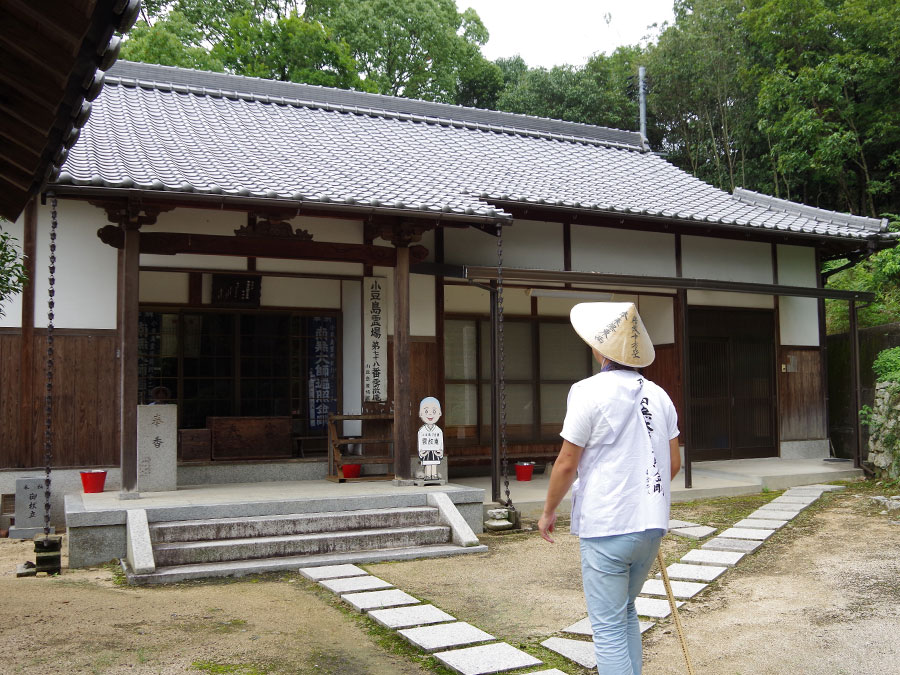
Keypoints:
pixel 29 508
pixel 157 448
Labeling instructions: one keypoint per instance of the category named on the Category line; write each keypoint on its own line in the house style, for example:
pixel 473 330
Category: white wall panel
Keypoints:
pixel 726 299
pixel 619 251
pixel 291 292
pixel 467 300
pixel 797 266
pixel 799 321
pixel 12 307
pixel 86 269
pixel 658 315
pixel 164 287
pixel 308 267
pixel 526 243
pixel 421 306
pixel 726 260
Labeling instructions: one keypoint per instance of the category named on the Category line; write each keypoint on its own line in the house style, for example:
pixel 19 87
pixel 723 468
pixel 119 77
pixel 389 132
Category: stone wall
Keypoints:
pixel 884 430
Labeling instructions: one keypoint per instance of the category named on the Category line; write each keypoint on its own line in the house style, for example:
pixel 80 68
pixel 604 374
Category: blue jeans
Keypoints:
pixel 613 570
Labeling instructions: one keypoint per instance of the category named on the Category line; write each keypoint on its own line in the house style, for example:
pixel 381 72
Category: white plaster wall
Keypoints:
pixel 526 243
pixel 468 300
pixel 422 319
pixel 12 307
pixel 563 306
pixel 351 303
pixel 300 292
pixel 658 315
pixel 618 251
pixel 164 287
pixel 798 317
pixel 726 260
pixel 86 269
pixel 197 221
pixel 726 299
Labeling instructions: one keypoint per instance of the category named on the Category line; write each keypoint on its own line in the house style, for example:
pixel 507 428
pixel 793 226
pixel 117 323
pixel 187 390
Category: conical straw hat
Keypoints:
pixel 615 330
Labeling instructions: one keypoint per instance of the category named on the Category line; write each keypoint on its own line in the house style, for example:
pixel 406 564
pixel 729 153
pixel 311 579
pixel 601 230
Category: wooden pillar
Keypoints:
pixel 403 428
pixel 128 296
pixel 855 385
pixel 26 367
pixel 685 421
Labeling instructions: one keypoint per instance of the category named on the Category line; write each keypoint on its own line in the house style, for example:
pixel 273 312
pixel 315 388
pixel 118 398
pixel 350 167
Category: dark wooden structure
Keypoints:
pixel 378 438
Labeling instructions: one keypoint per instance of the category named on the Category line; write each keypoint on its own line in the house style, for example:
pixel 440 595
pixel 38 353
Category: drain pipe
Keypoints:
pixel 642 102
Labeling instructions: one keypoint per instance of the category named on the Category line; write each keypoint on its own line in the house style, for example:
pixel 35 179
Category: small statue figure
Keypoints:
pixel 431 438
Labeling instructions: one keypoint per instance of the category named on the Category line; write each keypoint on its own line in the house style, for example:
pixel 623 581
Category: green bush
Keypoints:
pixel 887 365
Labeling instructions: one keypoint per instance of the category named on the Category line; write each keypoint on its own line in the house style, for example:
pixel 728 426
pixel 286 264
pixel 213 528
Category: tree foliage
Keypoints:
pixel 12 269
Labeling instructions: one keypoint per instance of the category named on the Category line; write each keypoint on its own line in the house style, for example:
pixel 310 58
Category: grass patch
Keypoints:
pixel 236 668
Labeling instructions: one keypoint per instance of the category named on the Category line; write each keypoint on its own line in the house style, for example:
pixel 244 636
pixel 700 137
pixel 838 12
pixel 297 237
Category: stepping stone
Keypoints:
pixel 801 502
pixel 723 544
pixel 674 524
pixel 579 651
pixel 332 572
pixel 804 492
pixel 827 488
pixel 761 524
pixel 354 584
pixel 746 533
pixel 698 532
pixel 704 557
pixel 780 508
pixel 493 658
pixel 407 617
pixel 680 589
pixel 583 627
pixel 693 572
pixel 655 609
pixel 772 514
pixel 445 636
pixel 363 602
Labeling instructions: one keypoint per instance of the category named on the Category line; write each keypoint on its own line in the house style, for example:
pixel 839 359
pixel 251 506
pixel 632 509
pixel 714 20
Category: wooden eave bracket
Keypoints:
pixel 132 214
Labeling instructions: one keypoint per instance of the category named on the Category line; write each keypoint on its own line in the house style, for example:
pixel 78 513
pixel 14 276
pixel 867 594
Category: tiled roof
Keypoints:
pixel 175 130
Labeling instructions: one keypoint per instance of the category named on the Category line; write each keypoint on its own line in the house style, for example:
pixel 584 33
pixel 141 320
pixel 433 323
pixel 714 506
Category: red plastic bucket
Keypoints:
pixel 524 470
pixel 351 470
pixel 93 481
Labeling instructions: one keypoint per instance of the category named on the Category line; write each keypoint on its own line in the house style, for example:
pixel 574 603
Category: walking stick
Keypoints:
pixel 678 628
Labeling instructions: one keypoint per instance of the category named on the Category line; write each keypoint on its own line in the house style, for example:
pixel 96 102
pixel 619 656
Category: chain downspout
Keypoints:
pixel 48 401
pixel 504 462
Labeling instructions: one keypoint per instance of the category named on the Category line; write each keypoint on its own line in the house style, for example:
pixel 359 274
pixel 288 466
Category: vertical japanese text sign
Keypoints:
pixel 374 339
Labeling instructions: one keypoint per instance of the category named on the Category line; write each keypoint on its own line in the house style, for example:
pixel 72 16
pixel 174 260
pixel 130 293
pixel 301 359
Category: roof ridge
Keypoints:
pixel 822 215
pixel 359 110
pixel 347 99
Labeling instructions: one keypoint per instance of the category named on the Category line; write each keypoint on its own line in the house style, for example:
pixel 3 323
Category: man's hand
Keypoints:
pixel 546 524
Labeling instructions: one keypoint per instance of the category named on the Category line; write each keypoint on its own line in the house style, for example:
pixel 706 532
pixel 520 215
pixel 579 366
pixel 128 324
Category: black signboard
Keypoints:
pixel 231 290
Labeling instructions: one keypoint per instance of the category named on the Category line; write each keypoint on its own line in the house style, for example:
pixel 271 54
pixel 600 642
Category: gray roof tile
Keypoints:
pixel 220 134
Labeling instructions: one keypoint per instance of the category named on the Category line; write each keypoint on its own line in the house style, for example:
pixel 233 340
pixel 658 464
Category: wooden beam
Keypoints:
pixel 287 248
pixel 128 292
pixel 685 423
pixel 855 386
pixel 403 428
pixel 26 392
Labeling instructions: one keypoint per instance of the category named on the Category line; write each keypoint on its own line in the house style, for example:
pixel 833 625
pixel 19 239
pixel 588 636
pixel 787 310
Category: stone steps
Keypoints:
pixel 294 523
pixel 221 550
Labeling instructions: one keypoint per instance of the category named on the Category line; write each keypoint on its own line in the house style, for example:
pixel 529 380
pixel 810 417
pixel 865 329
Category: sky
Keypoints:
pixel 556 32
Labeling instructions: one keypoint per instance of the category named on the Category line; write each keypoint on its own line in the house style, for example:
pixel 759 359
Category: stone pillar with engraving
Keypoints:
pixel 29 509
pixel 157 449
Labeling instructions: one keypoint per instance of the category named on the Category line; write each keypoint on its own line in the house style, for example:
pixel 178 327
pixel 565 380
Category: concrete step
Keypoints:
pixel 182 553
pixel 294 523
pixel 237 568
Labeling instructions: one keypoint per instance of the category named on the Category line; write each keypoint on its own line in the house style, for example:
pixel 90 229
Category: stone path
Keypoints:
pixel 700 565
pixel 458 645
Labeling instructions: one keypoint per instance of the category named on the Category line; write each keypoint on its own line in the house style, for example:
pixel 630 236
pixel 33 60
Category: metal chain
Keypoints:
pixel 48 401
pixel 504 462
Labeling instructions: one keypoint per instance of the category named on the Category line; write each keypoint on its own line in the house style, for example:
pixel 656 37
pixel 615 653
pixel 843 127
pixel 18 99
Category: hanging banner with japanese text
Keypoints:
pixel 322 372
pixel 375 339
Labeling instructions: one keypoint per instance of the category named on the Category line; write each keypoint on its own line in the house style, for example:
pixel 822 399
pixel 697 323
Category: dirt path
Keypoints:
pixel 81 622
pixel 821 597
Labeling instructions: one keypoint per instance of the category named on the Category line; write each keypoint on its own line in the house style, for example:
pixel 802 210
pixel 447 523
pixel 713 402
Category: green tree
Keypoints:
pixel 412 48
pixel 171 40
pixel 12 270
pixel 288 48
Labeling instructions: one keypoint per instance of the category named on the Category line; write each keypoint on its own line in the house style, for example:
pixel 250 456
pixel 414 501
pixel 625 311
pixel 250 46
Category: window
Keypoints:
pixel 241 363
pixel 542 360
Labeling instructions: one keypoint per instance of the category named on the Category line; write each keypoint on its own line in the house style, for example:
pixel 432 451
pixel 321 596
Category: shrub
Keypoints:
pixel 887 365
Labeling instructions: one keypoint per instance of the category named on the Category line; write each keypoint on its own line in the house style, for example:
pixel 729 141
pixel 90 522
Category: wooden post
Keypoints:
pixel 685 422
pixel 403 438
pixel 496 441
pixel 128 292
pixel 855 385
pixel 26 366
